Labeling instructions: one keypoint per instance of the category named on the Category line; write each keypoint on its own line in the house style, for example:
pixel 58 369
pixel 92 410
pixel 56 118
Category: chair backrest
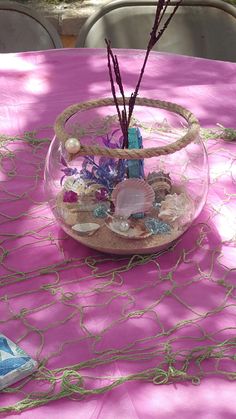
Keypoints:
pixel 23 29
pixel 200 28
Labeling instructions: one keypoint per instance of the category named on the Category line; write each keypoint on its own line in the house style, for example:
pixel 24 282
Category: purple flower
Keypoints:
pixel 70 196
pixel 111 141
pixel 102 194
pixel 63 161
pixel 68 171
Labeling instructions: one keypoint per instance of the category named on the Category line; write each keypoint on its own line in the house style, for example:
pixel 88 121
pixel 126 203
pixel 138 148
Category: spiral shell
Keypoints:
pixel 160 182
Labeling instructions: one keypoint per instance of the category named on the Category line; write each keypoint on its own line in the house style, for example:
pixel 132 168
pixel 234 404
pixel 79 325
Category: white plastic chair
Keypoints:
pixel 200 28
pixel 23 29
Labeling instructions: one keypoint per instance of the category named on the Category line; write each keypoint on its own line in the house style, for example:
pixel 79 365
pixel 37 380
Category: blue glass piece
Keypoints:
pixel 11 364
pixel 156 226
pixel 4 346
pixel 138 215
pixel 100 211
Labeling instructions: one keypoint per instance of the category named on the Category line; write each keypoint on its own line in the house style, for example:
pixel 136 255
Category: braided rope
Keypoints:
pixel 191 135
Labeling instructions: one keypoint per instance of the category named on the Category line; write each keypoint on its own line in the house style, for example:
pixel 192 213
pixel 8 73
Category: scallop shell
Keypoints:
pixel 86 229
pixel 72 184
pixel 136 231
pixel 80 186
pixel 160 181
pixel 132 196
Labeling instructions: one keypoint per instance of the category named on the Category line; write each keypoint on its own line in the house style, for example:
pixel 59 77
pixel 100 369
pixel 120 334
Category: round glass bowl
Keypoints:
pixel 127 205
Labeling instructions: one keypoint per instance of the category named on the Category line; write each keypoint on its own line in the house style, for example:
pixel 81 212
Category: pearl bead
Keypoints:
pixel 124 226
pixel 72 145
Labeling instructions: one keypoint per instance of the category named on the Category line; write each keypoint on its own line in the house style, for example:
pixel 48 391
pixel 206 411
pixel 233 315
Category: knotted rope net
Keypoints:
pixel 94 322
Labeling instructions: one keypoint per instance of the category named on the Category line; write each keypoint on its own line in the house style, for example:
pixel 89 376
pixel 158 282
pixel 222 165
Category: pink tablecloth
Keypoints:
pixel 66 304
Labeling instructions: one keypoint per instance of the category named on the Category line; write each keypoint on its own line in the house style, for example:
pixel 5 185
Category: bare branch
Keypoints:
pixel 155 35
pixel 122 116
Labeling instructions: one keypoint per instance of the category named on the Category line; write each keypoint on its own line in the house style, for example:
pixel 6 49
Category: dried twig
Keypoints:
pixel 123 114
pixel 155 35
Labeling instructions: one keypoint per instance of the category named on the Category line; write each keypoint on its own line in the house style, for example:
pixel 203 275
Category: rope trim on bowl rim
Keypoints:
pixel 191 135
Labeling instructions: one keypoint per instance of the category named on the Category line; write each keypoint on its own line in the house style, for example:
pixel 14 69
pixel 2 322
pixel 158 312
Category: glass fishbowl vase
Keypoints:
pixel 126 194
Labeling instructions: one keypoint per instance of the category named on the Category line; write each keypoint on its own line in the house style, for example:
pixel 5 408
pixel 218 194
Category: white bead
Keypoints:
pixel 72 145
pixel 124 226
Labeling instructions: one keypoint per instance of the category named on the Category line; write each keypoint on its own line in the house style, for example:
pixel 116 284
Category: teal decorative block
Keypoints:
pixel 15 363
pixel 135 167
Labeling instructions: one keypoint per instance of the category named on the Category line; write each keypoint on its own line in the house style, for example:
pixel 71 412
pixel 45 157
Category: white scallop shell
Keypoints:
pixel 71 184
pixel 132 196
pixel 80 186
pixel 86 229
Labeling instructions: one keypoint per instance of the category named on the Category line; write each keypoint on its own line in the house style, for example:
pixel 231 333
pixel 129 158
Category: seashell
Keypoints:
pixel 134 231
pixel 72 184
pixel 80 186
pixel 69 216
pixel 86 229
pixel 176 208
pixel 132 196
pixel 160 182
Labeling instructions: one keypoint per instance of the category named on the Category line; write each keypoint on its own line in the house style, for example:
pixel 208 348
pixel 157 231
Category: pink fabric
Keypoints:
pixel 34 88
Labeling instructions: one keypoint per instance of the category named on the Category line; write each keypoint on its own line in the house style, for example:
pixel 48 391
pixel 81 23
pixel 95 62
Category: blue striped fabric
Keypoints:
pixel 15 364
